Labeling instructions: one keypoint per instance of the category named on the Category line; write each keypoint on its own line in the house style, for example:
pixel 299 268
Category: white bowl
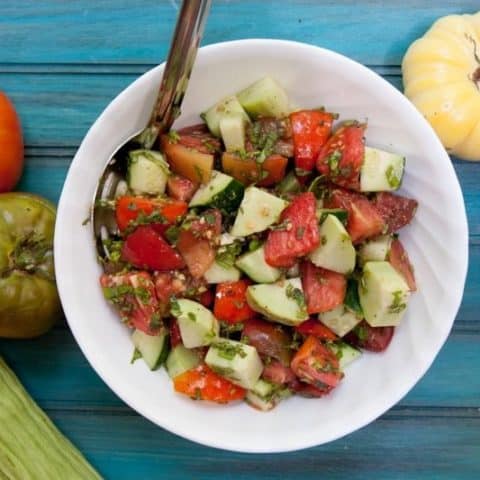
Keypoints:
pixel 437 241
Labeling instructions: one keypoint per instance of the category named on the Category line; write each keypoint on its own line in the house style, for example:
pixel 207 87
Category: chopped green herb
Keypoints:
pixel 333 161
pixel 318 187
pixel 172 234
pixel 297 295
pixel 173 136
pixel 155 321
pixel 398 305
pixel 198 173
pixel 254 244
pixel 361 332
pixel 227 254
pixel 113 249
pixel 136 355
pixel 392 178
pixel 223 371
pixel 229 351
pixel 142 294
pixel 210 218
pixel 175 309
pixel 323 240
pixel 192 316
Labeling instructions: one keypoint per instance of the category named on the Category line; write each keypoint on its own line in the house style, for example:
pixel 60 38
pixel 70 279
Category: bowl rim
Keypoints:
pixel 194 436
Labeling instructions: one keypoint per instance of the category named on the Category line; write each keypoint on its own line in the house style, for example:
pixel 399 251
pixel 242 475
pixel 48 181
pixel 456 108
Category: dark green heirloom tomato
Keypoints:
pixel 29 303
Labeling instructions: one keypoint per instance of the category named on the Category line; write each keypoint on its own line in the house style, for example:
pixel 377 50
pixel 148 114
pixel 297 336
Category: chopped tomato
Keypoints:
pixel 341 158
pixel 201 383
pixel 128 208
pixel 396 211
pixel 206 298
pixel 298 235
pixel 324 290
pixel 175 336
pixel 146 248
pixel 269 339
pixel 133 295
pixel 180 188
pixel 231 303
pixel 275 372
pixel 309 391
pixel 375 339
pixel 168 284
pixel 247 170
pixel 316 364
pixel 196 243
pixel 364 220
pixel 199 138
pixel 398 258
pixel 317 329
pixel 311 129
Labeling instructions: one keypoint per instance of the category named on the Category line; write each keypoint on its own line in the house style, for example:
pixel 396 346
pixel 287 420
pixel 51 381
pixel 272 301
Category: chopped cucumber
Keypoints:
pixel 264 98
pixel 148 172
pixel 289 184
pixel 224 108
pixel 340 320
pixel 283 302
pixel 258 402
pixel 381 170
pixel 236 361
pixel 153 348
pixel 258 210
pixel 352 301
pixel 336 251
pixel 255 266
pixel 181 359
pixel 218 274
pixel 198 326
pixel 232 129
pixel 221 191
pixel 375 250
pixel 383 294
pixel 341 214
pixel 265 395
pixel 345 353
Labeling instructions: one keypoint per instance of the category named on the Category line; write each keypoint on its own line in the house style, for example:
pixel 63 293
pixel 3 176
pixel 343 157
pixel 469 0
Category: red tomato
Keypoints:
pixel 375 339
pixel 299 235
pixel 231 303
pixel 342 156
pixel 269 339
pixel 311 129
pixel 396 211
pixel 399 260
pixel 199 138
pixel 324 290
pixel 168 284
pixel 175 336
pixel 128 208
pixel 201 383
pixel 133 295
pixel 146 248
pixel 316 364
pixel 309 391
pixel 207 298
pixel 277 373
pixel 11 145
pixel 317 329
pixel 180 188
pixel 364 220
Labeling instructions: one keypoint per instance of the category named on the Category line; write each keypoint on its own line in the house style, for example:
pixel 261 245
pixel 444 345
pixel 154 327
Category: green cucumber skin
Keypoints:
pixel 352 299
pixel 230 199
pixel 30 444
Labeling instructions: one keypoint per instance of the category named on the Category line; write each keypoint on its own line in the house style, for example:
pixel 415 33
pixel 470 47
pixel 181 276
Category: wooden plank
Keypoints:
pixel 57 374
pixel 394 447
pixel 120 31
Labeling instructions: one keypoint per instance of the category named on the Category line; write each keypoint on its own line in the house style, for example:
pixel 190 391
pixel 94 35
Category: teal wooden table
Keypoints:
pixel 61 63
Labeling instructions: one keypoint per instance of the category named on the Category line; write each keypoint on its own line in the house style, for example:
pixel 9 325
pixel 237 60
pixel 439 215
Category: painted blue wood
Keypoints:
pixel 62 62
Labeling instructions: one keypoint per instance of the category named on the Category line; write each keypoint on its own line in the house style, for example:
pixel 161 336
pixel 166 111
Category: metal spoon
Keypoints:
pixel 183 50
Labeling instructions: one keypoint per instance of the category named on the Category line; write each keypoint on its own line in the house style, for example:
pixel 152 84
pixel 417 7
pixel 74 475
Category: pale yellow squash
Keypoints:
pixel 441 76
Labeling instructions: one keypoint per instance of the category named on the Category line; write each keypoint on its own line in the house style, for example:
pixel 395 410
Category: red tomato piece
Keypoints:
pixel 364 220
pixel 168 284
pixel 310 129
pixel 180 188
pixel 309 391
pixel 375 339
pixel 199 138
pixel 128 208
pixel 201 383
pixel 277 373
pixel 313 327
pixel 133 295
pixel 341 158
pixel 316 364
pixel 231 303
pixel 398 258
pixel 270 339
pixel 146 248
pixel 324 290
pixel 175 336
pixel 206 298
pixel 299 235
pixel 396 211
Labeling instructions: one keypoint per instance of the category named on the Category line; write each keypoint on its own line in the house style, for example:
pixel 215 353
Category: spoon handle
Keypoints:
pixel 186 39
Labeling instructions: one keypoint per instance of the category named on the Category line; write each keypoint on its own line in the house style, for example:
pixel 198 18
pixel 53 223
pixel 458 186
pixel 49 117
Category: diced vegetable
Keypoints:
pixel 231 303
pixel 375 339
pixel 264 396
pixel 198 326
pixel 381 171
pixel 153 348
pixel 340 213
pixel 315 328
pixel 289 185
pixel 32 447
pixel 352 300
pixel 278 373
pixel 218 273
pixel 258 210
pixel 395 210
pixel 383 294
pixel 236 361
pixel 255 266
pixel 180 188
pixel 148 172
pixel 180 360
pixel 345 353
pixel 335 251
pixel 264 98
pixel 283 302
pixel 375 250
pixel 232 129
pixel 225 108
pixel 340 320
pixel 398 258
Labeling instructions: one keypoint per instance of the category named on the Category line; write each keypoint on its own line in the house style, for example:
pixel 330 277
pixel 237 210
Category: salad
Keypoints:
pixel 257 255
